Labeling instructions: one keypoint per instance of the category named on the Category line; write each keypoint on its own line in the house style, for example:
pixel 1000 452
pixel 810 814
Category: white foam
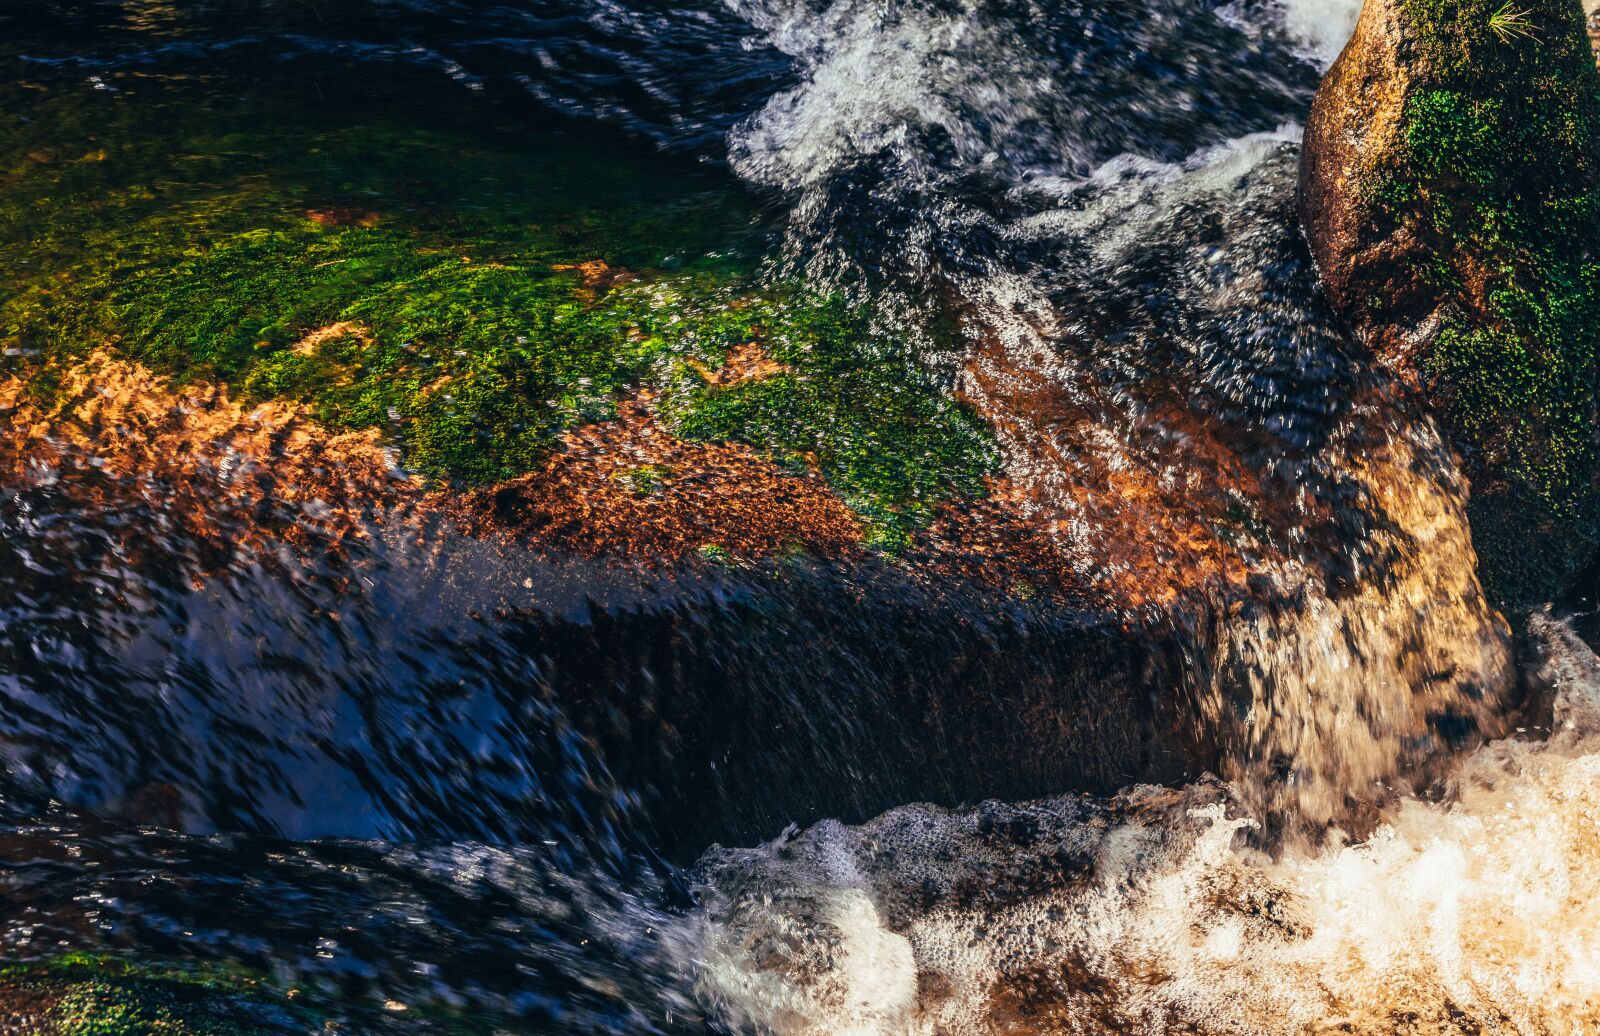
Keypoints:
pixel 1321 27
pixel 871 72
pixel 781 964
pixel 1119 202
pixel 1477 916
pixel 958 86
pixel 1325 26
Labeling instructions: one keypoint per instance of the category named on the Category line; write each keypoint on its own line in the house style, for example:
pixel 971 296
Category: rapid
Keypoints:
pixel 1083 213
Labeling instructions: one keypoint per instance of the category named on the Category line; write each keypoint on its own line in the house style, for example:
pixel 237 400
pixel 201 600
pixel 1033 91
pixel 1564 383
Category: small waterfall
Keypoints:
pixel 1147 914
pixel 1341 694
pixel 1142 328
pixel 1081 215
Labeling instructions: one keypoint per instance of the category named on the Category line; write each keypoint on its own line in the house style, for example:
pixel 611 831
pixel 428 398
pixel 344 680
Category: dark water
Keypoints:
pixel 348 769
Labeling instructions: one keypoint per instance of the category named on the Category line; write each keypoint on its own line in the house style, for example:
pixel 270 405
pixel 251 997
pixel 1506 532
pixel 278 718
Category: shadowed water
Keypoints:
pixel 336 756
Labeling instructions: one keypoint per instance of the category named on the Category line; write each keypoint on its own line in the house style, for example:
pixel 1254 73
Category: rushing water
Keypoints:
pixel 1067 916
pixel 352 782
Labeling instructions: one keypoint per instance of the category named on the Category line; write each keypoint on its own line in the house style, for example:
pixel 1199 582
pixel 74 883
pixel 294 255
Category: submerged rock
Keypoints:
pixel 738 528
pixel 82 994
pixel 1451 196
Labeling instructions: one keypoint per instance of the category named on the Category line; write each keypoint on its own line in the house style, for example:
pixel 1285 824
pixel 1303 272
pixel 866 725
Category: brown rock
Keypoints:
pixel 1356 116
pixel 1448 192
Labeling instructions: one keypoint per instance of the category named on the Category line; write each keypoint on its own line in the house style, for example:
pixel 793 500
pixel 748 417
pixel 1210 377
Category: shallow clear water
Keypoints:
pixel 342 768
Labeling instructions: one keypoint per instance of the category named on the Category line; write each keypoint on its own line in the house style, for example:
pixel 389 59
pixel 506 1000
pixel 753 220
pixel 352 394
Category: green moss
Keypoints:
pixel 858 408
pixel 423 284
pixel 645 479
pixel 118 994
pixel 109 995
pixel 127 1009
pixel 716 553
pixel 1500 171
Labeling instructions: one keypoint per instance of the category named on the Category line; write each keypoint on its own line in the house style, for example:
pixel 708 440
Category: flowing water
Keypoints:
pixel 340 766
pixel 1144 915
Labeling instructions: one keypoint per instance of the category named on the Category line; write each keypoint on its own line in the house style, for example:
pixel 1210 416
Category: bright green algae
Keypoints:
pixel 207 244
pixel 85 994
pixel 121 994
pixel 1500 173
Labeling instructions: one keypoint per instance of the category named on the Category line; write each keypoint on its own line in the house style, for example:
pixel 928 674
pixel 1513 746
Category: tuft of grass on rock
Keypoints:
pixel 1510 23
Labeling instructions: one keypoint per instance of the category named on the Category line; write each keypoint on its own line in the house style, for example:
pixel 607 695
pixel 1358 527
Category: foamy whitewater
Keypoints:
pixel 1150 916
pixel 1322 26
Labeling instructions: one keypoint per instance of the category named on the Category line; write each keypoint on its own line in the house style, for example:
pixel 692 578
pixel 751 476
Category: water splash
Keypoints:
pixel 1149 914
pixel 1321 27
pixel 1325 25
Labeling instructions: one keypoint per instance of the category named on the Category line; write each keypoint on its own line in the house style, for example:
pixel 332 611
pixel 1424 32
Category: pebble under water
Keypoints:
pixel 318 741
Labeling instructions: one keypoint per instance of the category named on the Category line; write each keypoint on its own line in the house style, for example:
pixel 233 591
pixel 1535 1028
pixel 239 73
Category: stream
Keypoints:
pixel 342 765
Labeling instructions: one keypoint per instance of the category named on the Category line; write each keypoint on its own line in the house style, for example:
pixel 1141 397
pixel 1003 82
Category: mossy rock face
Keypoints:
pixel 128 994
pixel 83 994
pixel 470 294
pixel 1451 195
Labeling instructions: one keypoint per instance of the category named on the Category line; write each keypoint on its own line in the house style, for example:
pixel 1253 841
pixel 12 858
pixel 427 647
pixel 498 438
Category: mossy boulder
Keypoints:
pixel 1451 197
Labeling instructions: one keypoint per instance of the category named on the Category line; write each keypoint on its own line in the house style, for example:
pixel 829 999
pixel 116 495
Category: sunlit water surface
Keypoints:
pixel 389 812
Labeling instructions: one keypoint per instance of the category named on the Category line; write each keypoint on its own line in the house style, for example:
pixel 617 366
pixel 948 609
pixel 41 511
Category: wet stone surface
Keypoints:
pixel 462 461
